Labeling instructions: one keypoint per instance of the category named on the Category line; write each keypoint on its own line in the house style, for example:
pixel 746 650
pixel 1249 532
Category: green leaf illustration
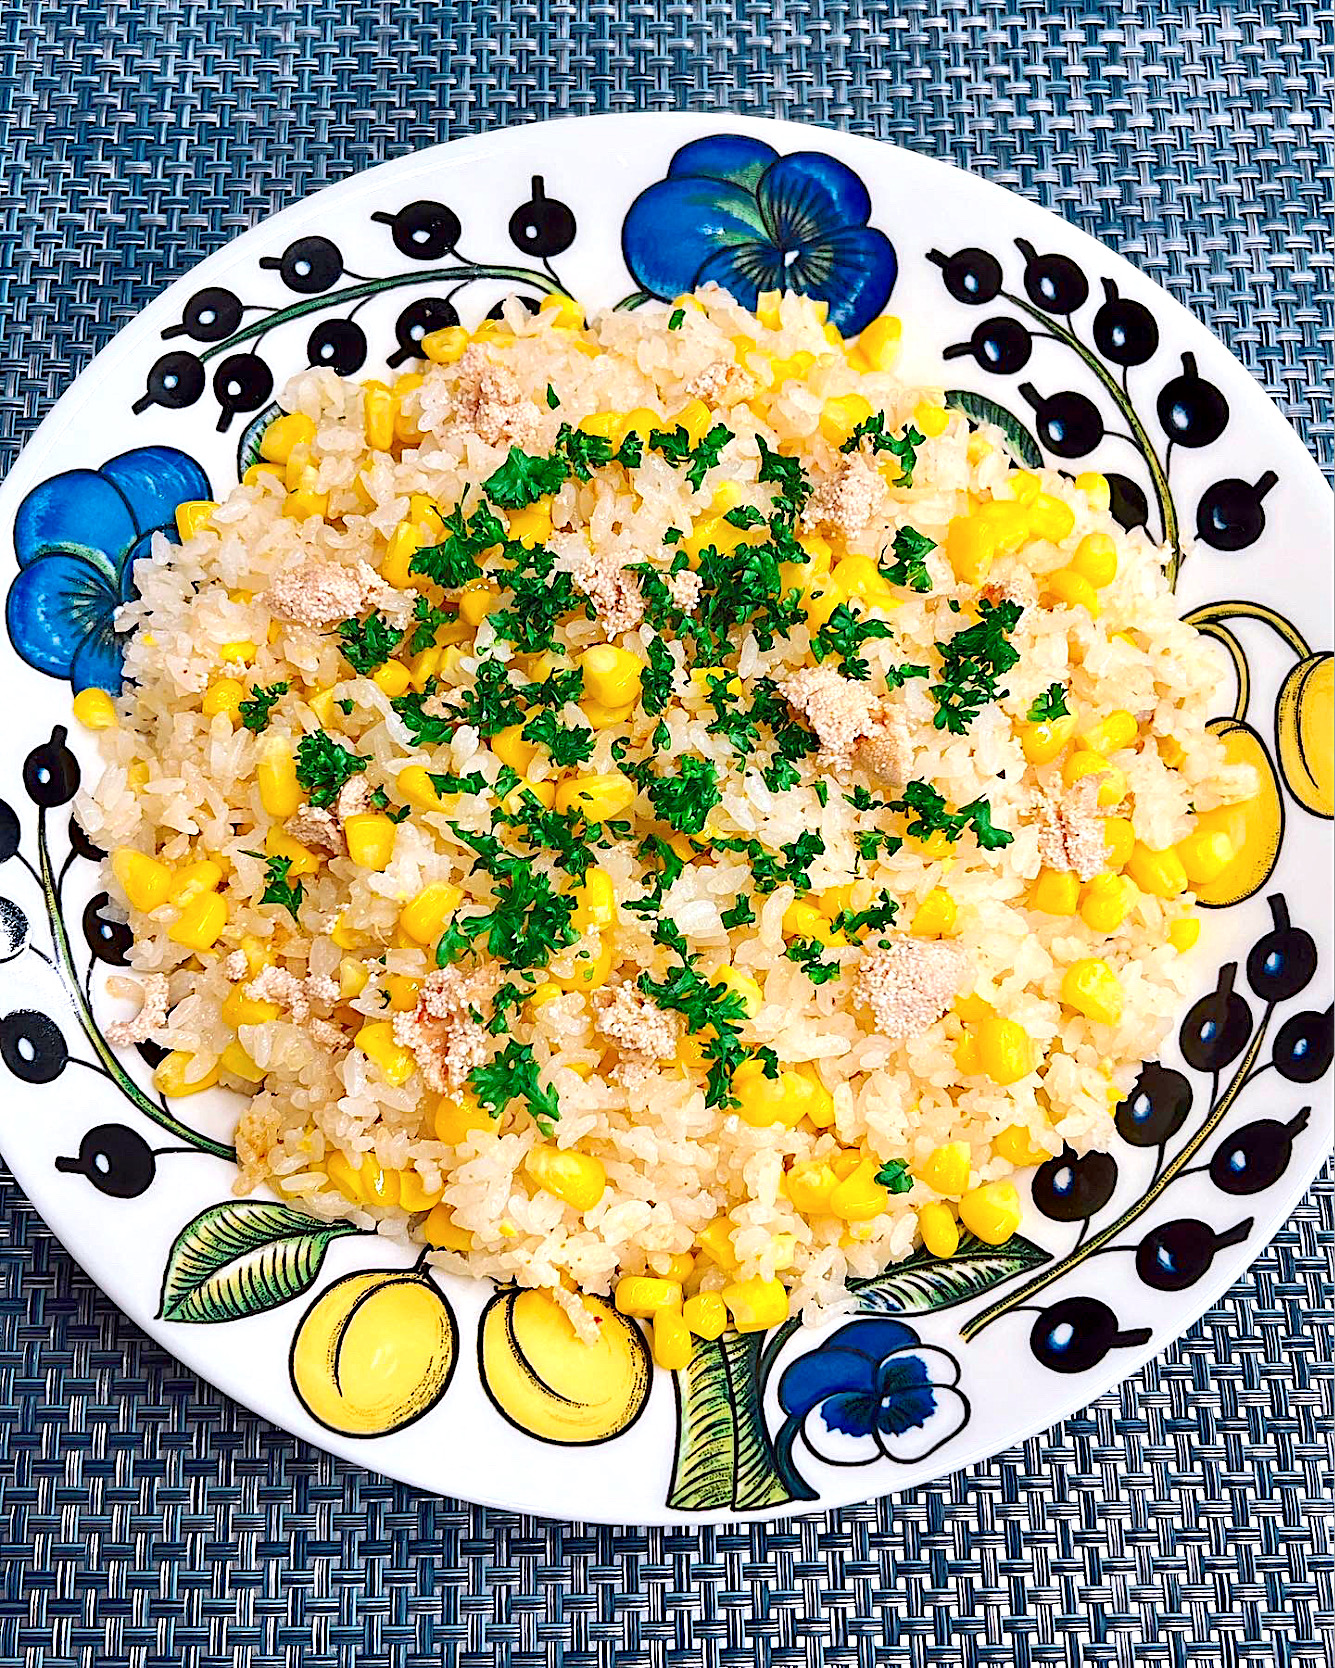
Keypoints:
pixel 724 1454
pixel 979 409
pixel 241 1258
pixel 248 447
pixel 925 1282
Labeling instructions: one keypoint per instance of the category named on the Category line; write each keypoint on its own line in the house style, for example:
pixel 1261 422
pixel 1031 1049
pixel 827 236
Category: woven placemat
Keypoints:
pixel 1181 1519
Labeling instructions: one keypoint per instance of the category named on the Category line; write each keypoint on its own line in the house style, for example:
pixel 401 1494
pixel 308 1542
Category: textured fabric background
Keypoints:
pixel 1182 1519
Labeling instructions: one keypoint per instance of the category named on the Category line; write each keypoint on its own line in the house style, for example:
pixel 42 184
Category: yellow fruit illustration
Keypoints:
pixel 1256 826
pixel 543 1379
pixel 374 1352
pixel 1305 732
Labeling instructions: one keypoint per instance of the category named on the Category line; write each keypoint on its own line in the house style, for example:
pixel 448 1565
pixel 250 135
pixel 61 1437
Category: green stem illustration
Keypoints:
pixel 1169 1174
pixel 374 286
pixel 97 1042
pixel 1140 435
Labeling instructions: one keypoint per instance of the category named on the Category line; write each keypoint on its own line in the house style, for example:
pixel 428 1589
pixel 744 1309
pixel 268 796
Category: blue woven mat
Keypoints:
pixel 1179 1520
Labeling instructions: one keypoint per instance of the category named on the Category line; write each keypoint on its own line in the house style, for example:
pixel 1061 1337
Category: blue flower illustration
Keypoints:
pixel 732 211
pixel 77 538
pixel 872 1390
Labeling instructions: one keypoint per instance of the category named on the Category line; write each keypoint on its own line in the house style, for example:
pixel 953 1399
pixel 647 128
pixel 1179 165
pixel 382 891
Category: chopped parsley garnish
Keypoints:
pixel 524 478
pixel 1049 705
pixel 741 914
pixel 456 560
pixel 255 711
pixel 513 1075
pixel 881 914
pixel 806 952
pixel 345 705
pixel 277 888
pixel 567 745
pixel 677 318
pixel 553 399
pixel 843 634
pixel 902 447
pixel 894 1176
pixel 685 799
pixel 706 454
pixel 428 619
pixel 474 782
pixel 907 564
pixel 744 516
pixel 930 815
pixel 657 678
pixel 787 475
pixel 711 1010
pixel 973 662
pixel 368 643
pixel 821 789
pixel 324 765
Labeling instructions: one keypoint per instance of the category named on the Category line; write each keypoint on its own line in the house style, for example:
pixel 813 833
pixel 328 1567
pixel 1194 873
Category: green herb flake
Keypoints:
pixel 553 399
pixel 843 634
pixel 973 663
pixel 902 447
pixel 677 318
pixel 524 478
pixel 277 888
pixel 256 710
pixel 894 1176
pixel 368 644
pixel 513 1075
pixel 685 798
pixel 428 620
pixel 1049 705
pixel 567 745
pixel 807 954
pixel 907 564
pixel 324 765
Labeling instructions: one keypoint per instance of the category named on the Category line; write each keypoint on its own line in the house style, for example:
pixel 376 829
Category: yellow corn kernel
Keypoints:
pixel 301 859
pixel 353 977
pixel 1205 854
pixel 859 576
pixel 1105 903
pixel 370 837
pixel 533 524
pixel 804 920
pixel 194 880
pixel 935 916
pixel 1111 734
pixel 404 543
pixel 978 448
pixel 278 440
pixel 971 1009
pixel 991 1212
pixel 809 1185
pixel 740 984
pixel 672 1265
pixel 201 921
pixel 611 675
pixel 819 1102
pixel 1072 588
pixel 378 409
pixel 819 601
pixel 1171 751
pixel 194 516
pixel 596 905
pixel 1050 518
pixel 1025 485
pixel 547 990
pixel 1112 789
pixel 769 1100
pixel 1055 892
pixel 376 1185
pixel 544 792
pixel 707 678
pixel 1119 840
pixel 477 601
pixel 940 1232
pixel 706 1315
pixel 393 678
pixel 444 347
pixel 94 710
pixel 671 1341
pixel 376 1042
pixel 755 1305
pixel 442 1233
pixel 564 311
pixel 1095 559
pixel 170 1076
pixel 239 1009
pixel 840 416
pixel 1093 989
pixel 1004 1050
pixel 600 717
pixel 946 1168
pixel 344 936
pixel 414 1194
pixel 1095 488
pixel 767 308
pixel 235 1060
pixel 224 695
pixel 1184 932
pixel 644 1296
pixel 716 1242
pixel 596 797
pixel 304 503
pixel 859 1197
pixel 423 918
pixel 321 704
pixel 239 653
pixel 415 785
pixel 1160 873
pixel 930 420
pixel 1042 742
pixel 577 1179
pixel 971 548
pixel 696 418
pixel 601 424
pixel 276 773
pixel 1013 1144
pixel 258 472
pixel 877 348
pixel 455 1120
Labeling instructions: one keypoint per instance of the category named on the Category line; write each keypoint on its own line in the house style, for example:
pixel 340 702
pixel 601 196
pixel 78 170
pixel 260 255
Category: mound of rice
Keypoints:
pixel 359 1058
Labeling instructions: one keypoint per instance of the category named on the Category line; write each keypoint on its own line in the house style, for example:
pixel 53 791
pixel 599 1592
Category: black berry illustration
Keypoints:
pixel 1078 1332
pixel 83 846
pixel 1156 1108
pixel 424 230
pixel 241 383
pixel 1072 1189
pixel 115 1159
pixel 109 941
pixel 1068 423
pixel 420 318
pixel 51 772
pixel 13 930
pixel 175 381
pixel 1254 1157
pixel 309 265
pixel 1303 1046
pixel 32 1046
pixel 1000 345
pixel 338 344
pixel 1128 504
pixel 1231 514
pixel 1125 332
pixel 10 833
pixel 210 316
pixel 542 226
pixel 1281 962
pixel 1217 1027
pixel 1191 410
pixel 1053 282
pixel 971 275
pixel 1175 1255
pixel 151 1053
pixel 525 301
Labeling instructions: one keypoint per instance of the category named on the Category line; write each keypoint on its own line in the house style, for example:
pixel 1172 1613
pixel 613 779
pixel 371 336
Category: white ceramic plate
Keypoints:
pixel 1002 303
